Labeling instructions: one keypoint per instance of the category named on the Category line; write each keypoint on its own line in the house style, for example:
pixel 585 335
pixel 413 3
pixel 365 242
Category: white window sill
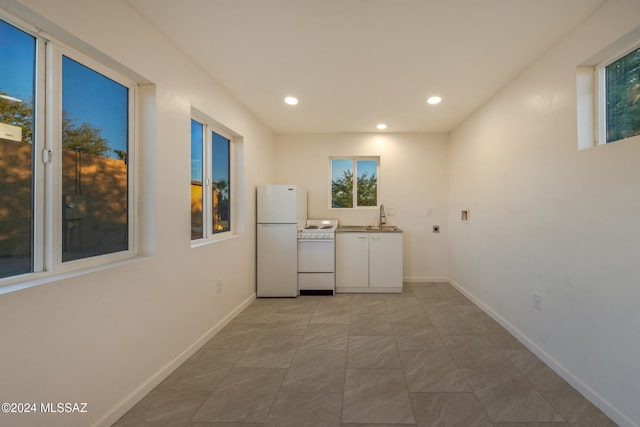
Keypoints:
pixel 213 241
pixel 30 280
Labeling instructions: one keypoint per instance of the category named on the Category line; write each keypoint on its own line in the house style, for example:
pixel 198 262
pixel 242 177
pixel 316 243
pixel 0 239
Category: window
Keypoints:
pixel 211 183
pixel 95 147
pixel 619 83
pixel 220 150
pixel 197 179
pixel 17 94
pixel 70 180
pixel 354 182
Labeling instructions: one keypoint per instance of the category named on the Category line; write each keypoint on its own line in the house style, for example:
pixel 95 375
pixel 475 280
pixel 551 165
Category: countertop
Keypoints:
pixel 368 229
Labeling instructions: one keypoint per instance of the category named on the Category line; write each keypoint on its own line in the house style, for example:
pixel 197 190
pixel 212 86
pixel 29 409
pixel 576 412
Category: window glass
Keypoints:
pixel 354 182
pixel 197 174
pixel 17 94
pixel 94 163
pixel 367 182
pixel 623 97
pixel 341 183
pixel 221 183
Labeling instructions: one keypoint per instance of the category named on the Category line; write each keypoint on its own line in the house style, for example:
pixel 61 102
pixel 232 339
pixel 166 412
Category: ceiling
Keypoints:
pixel 356 63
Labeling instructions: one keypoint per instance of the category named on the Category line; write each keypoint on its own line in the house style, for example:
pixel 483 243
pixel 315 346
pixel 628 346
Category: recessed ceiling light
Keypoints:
pixel 434 100
pixel 381 126
pixel 291 100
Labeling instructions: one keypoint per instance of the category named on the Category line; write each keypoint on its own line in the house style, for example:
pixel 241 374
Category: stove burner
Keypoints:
pixel 319 227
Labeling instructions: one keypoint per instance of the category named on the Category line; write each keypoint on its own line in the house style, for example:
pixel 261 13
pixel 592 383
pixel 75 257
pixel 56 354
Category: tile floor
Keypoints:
pixel 428 357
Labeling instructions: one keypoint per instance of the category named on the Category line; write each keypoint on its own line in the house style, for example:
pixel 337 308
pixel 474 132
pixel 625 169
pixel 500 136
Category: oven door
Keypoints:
pixel 316 256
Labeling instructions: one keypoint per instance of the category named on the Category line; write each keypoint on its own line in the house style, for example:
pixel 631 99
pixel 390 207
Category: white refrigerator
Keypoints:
pixel 281 211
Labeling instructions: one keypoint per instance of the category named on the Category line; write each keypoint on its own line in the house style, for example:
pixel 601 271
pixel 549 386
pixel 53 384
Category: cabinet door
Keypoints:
pixel 385 260
pixel 352 260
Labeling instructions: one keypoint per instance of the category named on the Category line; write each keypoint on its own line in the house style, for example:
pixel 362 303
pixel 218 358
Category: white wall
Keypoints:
pixel 545 219
pixel 550 220
pixel 106 337
pixel 413 181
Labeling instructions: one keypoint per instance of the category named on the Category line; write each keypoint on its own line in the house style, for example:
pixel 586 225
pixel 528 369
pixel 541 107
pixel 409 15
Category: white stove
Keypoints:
pixel 318 229
pixel 316 257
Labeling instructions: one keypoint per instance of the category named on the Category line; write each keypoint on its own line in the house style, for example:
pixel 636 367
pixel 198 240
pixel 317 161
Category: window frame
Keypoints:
pixel 601 96
pixel 209 126
pixel 132 159
pixel 47 161
pixel 355 160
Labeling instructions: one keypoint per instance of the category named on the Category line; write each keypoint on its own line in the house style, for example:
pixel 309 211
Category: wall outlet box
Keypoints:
pixel 537 302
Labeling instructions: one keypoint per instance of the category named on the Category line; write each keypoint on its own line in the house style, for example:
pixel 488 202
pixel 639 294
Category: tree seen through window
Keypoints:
pixel 623 97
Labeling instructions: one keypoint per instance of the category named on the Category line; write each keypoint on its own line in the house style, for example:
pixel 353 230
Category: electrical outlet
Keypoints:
pixel 219 285
pixel 537 302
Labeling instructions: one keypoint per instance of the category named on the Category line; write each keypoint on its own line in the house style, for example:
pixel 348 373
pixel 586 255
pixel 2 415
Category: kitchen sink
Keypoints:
pixel 383 228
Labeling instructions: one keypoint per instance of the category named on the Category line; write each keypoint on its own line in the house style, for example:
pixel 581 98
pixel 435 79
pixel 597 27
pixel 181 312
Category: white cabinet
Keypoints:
pixel 385 260
pixel 352 260
pixel 368 262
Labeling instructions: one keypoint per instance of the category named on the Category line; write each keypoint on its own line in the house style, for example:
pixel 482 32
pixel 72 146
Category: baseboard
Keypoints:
pixel 600 402
pixel 129 402
pixel 425 279
pixel 357 290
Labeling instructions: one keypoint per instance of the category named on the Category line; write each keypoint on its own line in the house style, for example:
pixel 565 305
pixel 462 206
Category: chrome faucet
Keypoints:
pixel 383 218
